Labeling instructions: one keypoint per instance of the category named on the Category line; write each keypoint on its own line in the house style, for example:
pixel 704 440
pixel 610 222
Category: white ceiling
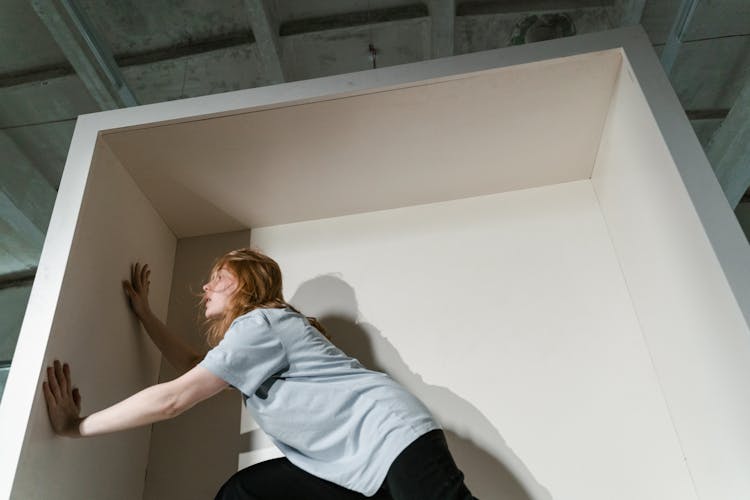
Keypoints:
pixel 504 129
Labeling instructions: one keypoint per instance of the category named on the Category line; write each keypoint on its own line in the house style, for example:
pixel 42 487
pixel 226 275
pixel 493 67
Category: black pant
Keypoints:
pixel 425 470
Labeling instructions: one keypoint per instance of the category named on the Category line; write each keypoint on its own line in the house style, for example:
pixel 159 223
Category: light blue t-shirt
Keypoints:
pixel 328 414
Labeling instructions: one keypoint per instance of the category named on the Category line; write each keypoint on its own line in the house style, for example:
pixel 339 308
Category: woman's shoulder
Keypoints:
pixel 255 316
pixel 249 327
pixel 266 315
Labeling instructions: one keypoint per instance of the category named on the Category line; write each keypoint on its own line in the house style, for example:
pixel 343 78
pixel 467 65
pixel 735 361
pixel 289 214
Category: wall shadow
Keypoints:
pixel 491 468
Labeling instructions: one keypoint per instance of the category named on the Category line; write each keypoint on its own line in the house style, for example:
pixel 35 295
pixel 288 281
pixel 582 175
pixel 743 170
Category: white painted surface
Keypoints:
pixel 696 333
pixel 21 388
pixel 509 317
pixel 95 332
pixel 376 150
pixel 191 456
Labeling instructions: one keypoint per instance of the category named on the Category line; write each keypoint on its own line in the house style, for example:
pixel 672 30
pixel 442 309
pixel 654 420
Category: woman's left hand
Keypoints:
pixel 63 400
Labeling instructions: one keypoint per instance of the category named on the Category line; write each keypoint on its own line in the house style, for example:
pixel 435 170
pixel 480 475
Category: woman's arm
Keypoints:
pixel 178 353
pixel 155 403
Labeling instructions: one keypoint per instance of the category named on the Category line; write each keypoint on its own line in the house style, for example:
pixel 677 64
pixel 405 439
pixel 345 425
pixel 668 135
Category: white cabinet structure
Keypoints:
pixel 530 239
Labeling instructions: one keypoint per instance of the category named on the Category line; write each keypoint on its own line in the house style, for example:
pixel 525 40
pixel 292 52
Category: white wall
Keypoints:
pixel 192 455
pixel 95 332
pixel 696 333
pixel 509 317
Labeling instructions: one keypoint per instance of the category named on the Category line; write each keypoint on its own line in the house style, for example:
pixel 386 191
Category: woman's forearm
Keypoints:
pixel 178 353
pixel 155 403
pixel 150 405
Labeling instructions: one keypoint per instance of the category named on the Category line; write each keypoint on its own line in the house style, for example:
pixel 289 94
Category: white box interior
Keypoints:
pixel 512 239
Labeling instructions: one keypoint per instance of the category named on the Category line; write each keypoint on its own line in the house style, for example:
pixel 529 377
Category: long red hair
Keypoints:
pixel 259 285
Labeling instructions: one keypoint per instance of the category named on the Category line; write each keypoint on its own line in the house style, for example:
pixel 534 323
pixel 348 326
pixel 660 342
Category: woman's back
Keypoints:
pixel 324 410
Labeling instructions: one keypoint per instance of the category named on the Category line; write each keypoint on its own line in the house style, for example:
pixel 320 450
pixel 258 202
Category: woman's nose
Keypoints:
pixel 205 287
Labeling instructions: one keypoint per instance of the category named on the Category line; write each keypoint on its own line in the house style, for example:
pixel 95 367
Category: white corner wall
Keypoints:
pixel 191 456
pixel 509 317
pixel 95 332
pixel 697 337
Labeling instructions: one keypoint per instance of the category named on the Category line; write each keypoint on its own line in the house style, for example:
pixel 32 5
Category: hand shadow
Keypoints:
pixel 491 468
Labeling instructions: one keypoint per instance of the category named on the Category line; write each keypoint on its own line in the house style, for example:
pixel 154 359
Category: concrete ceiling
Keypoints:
pixel 63 58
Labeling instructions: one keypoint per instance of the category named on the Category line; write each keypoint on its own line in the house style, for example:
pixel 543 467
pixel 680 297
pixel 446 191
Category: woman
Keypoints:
pixel 346 432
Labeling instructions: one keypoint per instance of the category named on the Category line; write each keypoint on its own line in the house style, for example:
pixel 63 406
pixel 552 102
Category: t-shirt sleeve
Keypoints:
pixel 248 355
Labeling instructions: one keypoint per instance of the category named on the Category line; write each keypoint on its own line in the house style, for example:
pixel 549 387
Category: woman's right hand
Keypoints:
pixel 63 400
pixel 137 289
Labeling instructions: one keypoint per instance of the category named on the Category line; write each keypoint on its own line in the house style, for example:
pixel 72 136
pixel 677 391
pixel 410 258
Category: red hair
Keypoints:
pixel 259 285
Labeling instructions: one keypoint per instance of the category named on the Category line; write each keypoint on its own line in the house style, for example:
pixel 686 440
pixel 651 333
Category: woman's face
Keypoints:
pixel 218 291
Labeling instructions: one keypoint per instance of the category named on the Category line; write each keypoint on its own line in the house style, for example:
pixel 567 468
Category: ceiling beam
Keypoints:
pixel 352 19
pixel 19 278
pixel 443 21
pixel 265 26
pixel 26 202
pixel 188 49
pixel 24 185
pixel 485 7
pixel 729 149
pixel 83 47
pixel 677 34
pixel 707 114
pixel 629 12
pixel 22 240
